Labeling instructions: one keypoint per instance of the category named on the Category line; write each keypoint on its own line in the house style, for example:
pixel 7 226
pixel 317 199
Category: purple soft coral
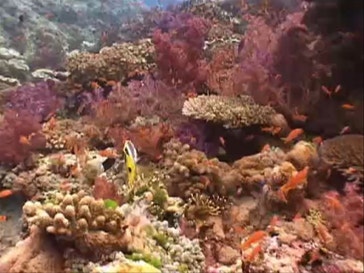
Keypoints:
pixel 39 100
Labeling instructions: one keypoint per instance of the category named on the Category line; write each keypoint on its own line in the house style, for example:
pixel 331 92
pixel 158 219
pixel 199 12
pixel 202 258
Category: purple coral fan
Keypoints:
pixel 39 100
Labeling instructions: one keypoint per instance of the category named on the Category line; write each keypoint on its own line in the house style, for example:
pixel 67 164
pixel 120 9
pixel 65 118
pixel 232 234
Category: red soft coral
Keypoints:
pixel 179 47
pixel 20 135
pixel 344 215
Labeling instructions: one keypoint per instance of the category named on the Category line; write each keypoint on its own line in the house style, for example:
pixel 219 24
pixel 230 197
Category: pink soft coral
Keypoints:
pixel 20 135
pixel 345 217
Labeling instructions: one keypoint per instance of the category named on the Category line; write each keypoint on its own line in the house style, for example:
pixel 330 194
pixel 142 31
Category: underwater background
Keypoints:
pixel 199 136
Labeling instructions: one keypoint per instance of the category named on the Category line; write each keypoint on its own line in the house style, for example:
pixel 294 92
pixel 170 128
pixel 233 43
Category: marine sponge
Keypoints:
pixel 113 63
pixel 343 152
pixel 231 112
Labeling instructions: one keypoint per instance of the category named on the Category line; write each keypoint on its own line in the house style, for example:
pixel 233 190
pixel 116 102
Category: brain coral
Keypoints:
pixel 231 112
pixel 343 152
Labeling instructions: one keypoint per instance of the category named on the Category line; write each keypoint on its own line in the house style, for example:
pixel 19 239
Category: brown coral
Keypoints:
pixel 113 63
pixel 344 152
pixel 231 112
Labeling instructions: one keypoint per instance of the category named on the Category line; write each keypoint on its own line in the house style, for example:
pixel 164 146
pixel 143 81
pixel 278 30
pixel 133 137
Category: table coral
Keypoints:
pixel 344 152
pixel 232 112
pixel 113 63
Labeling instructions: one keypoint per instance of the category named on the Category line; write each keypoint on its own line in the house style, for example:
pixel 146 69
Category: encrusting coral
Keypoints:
pixel 231 112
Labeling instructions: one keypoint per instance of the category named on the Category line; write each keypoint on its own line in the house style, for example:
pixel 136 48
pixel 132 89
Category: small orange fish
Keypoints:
pixel 109 153
pixel 273 130
pixel 293 183
pixel 65 185
pixel 24 140
pixel 345 130
pixel 255 237
pixel 348 106
pixel 111 83
pixel 6 193
pixel 293 135
pixel 317 140
pixel 75 171
pixel 255 252
pixel 222 141
pixel 297 217
pixel 333 201
pixel 238 229
pixel 3 218
pixel 94 85
pixel 299 117
pixel 266 148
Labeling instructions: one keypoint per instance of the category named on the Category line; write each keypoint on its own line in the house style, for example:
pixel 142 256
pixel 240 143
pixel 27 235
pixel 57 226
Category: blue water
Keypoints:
pixel 161 3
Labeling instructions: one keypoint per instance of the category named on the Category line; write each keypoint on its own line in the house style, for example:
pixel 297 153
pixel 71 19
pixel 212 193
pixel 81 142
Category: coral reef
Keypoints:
pixel 209 136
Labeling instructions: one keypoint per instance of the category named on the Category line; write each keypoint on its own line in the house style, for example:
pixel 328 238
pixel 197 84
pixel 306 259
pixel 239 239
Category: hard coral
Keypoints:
pixel 231 112
pixel 117 62
pixel 344 152
pixel 80 218
pixel 20 135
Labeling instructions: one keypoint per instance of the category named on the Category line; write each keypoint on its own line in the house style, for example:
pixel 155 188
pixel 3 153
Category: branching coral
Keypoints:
pixel 179 43
pixel 229 111
pixel 20 135
pixel 117 62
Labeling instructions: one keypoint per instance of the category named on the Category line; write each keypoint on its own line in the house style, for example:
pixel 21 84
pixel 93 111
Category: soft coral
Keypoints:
pixel 13 127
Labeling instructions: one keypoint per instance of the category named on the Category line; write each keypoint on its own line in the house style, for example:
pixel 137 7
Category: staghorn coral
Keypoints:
pixel 117 62
pixel 231 112
pixel 343 152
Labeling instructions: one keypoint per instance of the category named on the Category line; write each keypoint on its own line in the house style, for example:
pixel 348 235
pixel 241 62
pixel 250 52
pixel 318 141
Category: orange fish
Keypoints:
pixel 317 140
pixel 238 229
pixel 75 170
pixel 266 148
pixel 293 135
pixel 3 218
pixel 294 182
pixel 297 217
pixel 299 117
pixel 273 130
pixel 5 193
pixel 333 202
pixel 255 237
pixel 111 83
pixel 24 140
pixel 222 141
pixel 345 130
pixel 109 153
pixel 94 85
pixel 256 250
pixel 348 106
